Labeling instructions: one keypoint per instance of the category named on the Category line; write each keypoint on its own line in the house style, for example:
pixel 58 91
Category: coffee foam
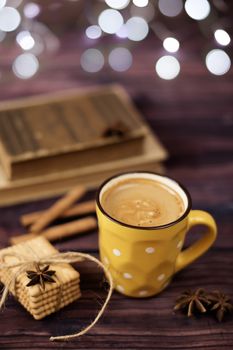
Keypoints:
pixel 145 211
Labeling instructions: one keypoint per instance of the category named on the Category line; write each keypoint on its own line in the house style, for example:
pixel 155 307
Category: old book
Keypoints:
pixel 24 177
pixel 45 135
pixel 12 192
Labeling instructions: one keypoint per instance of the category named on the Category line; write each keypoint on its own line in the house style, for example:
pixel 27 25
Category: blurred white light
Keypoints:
pixel 2 35
pixel 170 8
pixel 39 45
pixel 2 3
pixel 140 3
pixel 137 28
pixel 25 65
pixel 171 44
pixel 120 59
pixel 122 32
pixel 25 40
pixel 197 9
pixel 110 21
pixel 218 62
pixel 167 67
pixel 93 32
pixel 146 12
pixel 92 60
pixel 9 19
pixel 222 37
pixel 31 10
pixel 117 4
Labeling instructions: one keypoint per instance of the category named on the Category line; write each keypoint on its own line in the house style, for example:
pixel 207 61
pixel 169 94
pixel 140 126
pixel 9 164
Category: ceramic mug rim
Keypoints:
pixel 148 228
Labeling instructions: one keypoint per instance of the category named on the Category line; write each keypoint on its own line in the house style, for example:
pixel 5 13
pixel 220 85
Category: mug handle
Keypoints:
pixel 188 255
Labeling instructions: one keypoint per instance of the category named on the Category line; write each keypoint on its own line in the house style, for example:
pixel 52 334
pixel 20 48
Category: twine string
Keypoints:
pixel 24 263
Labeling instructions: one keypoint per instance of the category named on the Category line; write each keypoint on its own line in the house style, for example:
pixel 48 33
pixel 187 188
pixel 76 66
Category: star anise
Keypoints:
pixel 220 304
pixel 40 276
pixel 192 301
pixel 118 129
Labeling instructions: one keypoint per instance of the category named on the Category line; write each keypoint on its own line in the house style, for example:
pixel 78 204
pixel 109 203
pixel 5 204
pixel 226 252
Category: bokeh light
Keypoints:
pixel 146 12
pixel 25 40
pixel 222 37
pixel 92 60
pixel 171 44
pixel 25 65
pixel 197 9
pixel 137 28
pixel 31 10
pixel 122 32
pixel 120 59
pixel 110 21
pixel 39 45
pixel 2 35
pixel 170 8
pixel 140 3
pixel 93 32
pixel 2 3
pixel 9 19
pixel 117 4
pixel 167 67
pixel 218 62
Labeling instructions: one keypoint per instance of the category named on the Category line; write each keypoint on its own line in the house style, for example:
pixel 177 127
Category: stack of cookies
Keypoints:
pixel 40 299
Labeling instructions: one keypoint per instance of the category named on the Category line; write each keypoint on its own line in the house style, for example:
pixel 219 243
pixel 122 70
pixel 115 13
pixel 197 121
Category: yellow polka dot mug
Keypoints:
pixel 143 260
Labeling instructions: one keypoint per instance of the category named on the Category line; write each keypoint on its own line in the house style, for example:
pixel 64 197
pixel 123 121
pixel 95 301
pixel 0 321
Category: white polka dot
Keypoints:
pixel 120 288
pixel 127 275
pixel 149 250
pixel 143 292
pixel 116 252
pixel 106 261
pixel 179 245
pixel 161 277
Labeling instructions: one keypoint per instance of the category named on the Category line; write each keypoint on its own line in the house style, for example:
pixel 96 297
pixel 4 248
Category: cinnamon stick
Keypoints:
pixel 60 231
pixel 78 209
pixel 57 208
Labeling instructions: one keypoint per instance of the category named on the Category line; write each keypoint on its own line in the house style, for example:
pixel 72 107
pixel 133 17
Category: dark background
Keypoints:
pixel 193 117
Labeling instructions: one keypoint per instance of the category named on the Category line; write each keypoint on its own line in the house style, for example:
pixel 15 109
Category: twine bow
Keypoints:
pixel 25 263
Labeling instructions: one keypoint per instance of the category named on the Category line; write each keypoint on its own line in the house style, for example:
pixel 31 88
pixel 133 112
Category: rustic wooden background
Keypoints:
pixel 193 116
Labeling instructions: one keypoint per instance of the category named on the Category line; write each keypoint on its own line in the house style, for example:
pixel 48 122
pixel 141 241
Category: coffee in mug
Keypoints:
pixel 143 202
pixel 143 220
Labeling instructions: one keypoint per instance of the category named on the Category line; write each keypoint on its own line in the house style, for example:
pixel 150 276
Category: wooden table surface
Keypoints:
pixel 193 116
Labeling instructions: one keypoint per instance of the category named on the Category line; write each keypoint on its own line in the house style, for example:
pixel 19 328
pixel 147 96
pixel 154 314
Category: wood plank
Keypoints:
pixel 148 323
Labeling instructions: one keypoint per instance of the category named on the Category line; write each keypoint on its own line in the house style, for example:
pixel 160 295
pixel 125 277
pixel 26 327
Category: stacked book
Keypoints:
pixel 51 143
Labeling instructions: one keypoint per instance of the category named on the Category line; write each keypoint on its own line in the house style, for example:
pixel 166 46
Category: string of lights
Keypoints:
pixel 130 21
